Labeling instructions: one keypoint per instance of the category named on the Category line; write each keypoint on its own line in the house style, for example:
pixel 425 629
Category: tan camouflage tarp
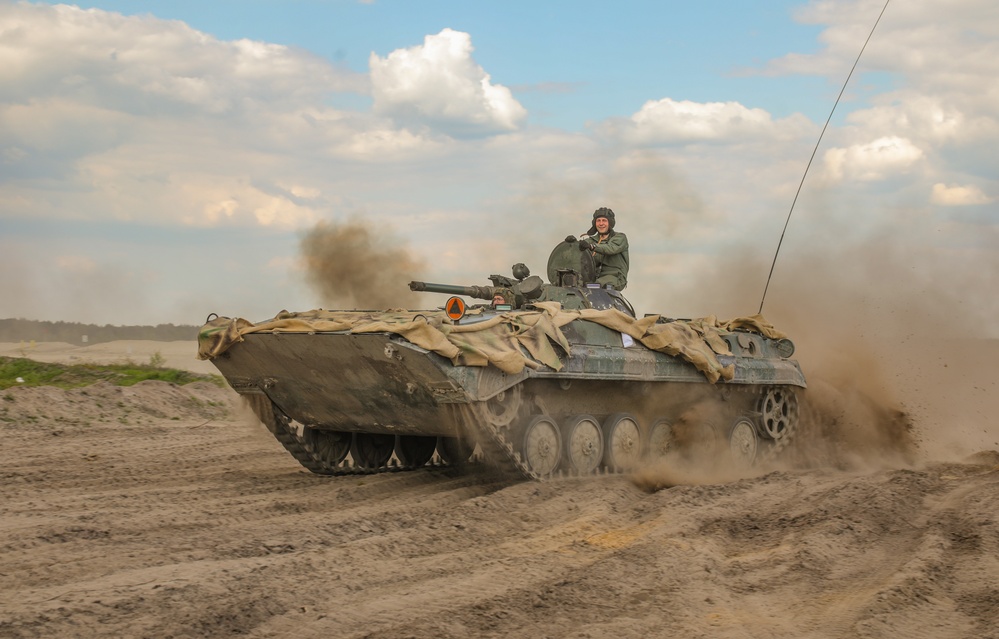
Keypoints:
pixel 510 341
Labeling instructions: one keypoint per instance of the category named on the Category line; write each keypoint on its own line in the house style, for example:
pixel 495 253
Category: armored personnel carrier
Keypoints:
pixel 548 378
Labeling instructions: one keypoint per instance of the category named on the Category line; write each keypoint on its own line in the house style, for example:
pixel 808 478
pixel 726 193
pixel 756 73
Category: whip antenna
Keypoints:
pixel 814 151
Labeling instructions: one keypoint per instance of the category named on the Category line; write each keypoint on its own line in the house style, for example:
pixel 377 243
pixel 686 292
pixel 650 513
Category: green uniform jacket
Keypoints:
pixel 611 257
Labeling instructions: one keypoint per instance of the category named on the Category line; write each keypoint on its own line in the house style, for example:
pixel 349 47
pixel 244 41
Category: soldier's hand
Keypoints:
pixel 570 239
pixel 584 245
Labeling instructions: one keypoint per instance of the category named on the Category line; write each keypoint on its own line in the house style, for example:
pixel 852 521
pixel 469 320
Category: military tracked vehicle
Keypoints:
pixel 558 377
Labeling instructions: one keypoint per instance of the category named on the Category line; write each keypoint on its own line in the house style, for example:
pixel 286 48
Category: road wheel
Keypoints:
pixel 584 444
pixel 743 441
pixel 541 447
pixel 371 451
pixel 329 447
pixel 661 439
pixel 414 451
pixel 454 451
pixel 622 442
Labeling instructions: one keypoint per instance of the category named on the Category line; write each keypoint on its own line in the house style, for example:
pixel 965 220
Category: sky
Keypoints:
pixel 160 161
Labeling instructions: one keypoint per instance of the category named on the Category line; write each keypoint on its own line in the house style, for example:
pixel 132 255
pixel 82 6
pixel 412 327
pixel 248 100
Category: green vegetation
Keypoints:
pixel 74 376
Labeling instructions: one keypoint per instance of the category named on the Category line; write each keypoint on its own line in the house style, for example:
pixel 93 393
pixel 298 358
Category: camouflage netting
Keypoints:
pixel 510 341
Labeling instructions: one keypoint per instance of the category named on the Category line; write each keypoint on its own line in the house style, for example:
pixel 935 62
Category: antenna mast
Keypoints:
pixel 814 151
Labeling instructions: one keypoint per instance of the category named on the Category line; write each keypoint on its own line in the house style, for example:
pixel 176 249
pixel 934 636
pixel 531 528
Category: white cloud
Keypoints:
pixel 934 119
pixel 148 120
pixel 934 44
pixel 440 85
pixel 668 120
pixel 147 65
pixel 936 65
pixel 958 195
pixel 386 142
pixel 876 160
pixel 213 211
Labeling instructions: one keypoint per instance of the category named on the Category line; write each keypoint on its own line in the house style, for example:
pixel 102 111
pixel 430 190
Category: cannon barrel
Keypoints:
pixel 478 292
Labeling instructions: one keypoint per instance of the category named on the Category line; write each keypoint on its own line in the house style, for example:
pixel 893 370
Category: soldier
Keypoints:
pixel 502 297
pixel 609 249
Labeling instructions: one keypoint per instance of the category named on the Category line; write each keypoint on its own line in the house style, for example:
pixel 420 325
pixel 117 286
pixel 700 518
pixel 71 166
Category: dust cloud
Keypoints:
pixel 353 265
pixel 889 328
pixel 840 427
pixel 885 333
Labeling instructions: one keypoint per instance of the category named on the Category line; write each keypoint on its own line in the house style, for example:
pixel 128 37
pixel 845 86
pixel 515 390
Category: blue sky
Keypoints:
pixel 607 57
pixel 163 160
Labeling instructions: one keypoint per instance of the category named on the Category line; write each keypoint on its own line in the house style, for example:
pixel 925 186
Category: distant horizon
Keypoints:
pixel 46 331
pixel 40 321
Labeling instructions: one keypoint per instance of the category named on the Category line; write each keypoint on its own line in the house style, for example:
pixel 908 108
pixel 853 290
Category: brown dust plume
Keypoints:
pixel 883 327
pixel 352 265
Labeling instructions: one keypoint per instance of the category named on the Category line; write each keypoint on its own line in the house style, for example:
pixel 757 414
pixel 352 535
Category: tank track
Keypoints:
pixel 497 445
pixel 289 436
pixel 775 449
pixel 494 447
pixel 492 444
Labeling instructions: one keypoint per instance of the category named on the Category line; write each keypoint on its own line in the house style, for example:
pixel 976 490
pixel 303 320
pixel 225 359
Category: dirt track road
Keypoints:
pixel 151 512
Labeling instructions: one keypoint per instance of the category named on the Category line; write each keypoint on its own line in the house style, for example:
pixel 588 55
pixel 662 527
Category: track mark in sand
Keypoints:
pixel 910 589
pixel 619 538
pixel 160 529
pixel 470 570
pixel 895 566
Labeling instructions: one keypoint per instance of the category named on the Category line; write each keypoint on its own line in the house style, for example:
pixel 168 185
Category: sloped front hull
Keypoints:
pixel 359 383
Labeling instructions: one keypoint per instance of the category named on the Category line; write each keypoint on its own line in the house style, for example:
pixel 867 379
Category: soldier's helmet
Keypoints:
pixel 603 211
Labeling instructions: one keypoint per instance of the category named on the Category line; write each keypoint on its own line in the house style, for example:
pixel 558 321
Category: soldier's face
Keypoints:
pixel 603 225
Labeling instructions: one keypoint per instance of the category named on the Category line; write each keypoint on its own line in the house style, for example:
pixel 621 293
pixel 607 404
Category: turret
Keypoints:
pixel 572 275
pixel 523 287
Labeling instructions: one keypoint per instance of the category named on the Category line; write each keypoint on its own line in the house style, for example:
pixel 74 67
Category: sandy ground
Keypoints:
pixel 163 511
